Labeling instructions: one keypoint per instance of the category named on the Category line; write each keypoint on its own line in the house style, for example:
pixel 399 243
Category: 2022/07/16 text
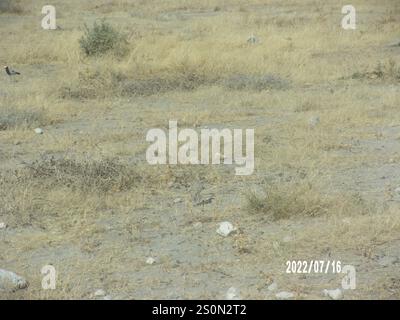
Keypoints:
pixel 313 266
pixel 201 309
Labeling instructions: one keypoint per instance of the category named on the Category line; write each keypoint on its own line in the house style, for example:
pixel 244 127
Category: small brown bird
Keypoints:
pixel 11 72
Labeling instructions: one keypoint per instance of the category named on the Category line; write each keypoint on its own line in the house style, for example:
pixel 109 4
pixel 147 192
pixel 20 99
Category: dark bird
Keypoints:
pixel 11 72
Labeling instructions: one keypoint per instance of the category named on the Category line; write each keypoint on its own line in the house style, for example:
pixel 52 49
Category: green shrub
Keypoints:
pixel 103 38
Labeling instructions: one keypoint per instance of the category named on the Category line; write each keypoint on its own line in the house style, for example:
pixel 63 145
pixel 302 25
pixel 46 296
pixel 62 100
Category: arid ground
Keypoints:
pixel 324 104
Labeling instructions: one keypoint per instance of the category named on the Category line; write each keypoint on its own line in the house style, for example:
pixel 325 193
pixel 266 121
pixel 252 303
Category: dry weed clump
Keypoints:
pixel 255 82
pixel 387 71
pixel 104 175
pixel 26 119
pixel 11 6
pixel 97 83
pixel 302 198
pixel 94 83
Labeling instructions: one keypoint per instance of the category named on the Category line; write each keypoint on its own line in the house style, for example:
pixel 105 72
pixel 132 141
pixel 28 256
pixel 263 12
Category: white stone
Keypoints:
pixel 9 281
pixel 335 294
pixel 99 293
pixel 197 225
pixel 225 229
pixel 397 190
pixel 107 298
pixel 287 239
pixel 150 260
pixel 284 295
pixel 39 131
pixel 314 121
pixel 177 200
pixel 272 287
pixel 3 225
pixel 232 294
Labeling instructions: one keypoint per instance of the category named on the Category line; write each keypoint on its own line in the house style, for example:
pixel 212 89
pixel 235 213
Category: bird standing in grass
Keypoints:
pixel 11 72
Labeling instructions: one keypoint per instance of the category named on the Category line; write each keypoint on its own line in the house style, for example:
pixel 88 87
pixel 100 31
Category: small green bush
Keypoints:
pixel 103 38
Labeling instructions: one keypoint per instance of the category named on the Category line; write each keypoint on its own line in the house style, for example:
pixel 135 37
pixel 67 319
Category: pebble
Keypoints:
pixel 99 293
pixel 150 260
pixel 284 295
pixel 178 200
pixel 197 225
pixel 39 131
pixel 335 294
pixel 272 287
pixel 3 225
pixel 314 121
pixel 9 281
pixel 225 229
pixel 232 294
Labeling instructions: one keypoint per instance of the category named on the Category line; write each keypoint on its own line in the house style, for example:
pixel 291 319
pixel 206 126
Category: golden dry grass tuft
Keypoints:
pixel 83 197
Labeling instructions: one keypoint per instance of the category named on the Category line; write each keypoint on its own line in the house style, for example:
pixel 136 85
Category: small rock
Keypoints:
pixel 99 293
pixel 287 239
pixel 2 225
pixel 397 190
pixel 107 297
pixel 225 229
pixel 39 131
pixel 178 200
pixel 284 295
pixel 314 121
pixel 272 287
pixel 9 281
pixel 150 260
pixel 197 225
pixel 232 294
pixel 335 294
pixel 346 221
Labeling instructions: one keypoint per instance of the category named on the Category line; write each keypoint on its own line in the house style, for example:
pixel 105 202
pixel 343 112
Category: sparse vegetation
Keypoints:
pixel 103 175
pixel 82 196
pixel 12 119
pixel 254 82
pixel 285 200
pixel 102 38
pixel 11 6
pixel 299 198
pixel 388 70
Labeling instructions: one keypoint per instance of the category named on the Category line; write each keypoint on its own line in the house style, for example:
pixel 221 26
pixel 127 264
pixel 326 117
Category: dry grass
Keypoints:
pixel 103 175
pixel 13 119
pixel 385 71
pixel 11 6
pixel 302 198
pixel 85 186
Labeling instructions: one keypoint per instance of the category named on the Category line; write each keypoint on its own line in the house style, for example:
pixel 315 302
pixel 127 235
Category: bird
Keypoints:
pixel 11 72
